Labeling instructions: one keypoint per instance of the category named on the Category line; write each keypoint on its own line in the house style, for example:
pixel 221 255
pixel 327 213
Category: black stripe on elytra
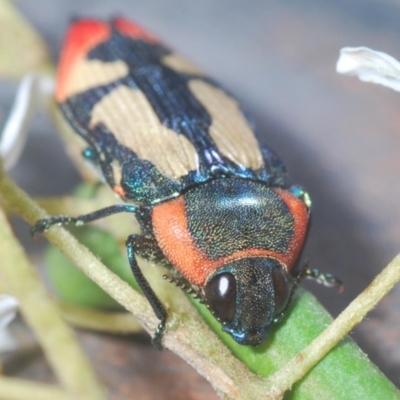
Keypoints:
pixel 176 107
pixel 166 90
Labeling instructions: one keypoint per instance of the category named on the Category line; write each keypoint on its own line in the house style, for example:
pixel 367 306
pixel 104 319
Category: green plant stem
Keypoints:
pixel 189 338
pixel 295 369
pixel 16 200
pixel 70 365
pixel 187 335
pixel 21 389
pixel 88 318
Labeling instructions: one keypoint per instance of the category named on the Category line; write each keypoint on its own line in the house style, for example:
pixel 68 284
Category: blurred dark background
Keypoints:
pixel 339 138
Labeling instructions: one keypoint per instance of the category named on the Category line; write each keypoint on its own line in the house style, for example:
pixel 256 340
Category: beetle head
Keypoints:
pixel 246 295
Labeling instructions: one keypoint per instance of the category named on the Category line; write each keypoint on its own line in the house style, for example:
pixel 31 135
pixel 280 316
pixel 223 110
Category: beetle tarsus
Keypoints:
pixel 157 339
pixel 43 225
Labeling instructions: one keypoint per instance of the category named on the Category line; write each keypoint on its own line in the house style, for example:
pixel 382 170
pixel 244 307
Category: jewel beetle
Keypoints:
pixel 183 154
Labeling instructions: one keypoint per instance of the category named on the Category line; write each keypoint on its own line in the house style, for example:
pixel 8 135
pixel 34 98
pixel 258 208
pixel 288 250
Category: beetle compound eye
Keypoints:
pixel 220 293
pixel 281 285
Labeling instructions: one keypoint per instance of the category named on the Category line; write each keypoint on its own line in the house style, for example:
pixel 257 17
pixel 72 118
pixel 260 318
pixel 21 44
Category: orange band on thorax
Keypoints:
pixel 172 234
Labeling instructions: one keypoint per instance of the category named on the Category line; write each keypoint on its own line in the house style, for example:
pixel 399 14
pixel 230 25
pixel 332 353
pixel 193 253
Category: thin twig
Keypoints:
pixel 21 389
pixel 70 365
pixel 89 318
pixel 193 340
pixel 295 369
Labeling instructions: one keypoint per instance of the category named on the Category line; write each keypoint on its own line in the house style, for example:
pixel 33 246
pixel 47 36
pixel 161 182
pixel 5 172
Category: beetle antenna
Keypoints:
pixel 189 289
pixel 326 279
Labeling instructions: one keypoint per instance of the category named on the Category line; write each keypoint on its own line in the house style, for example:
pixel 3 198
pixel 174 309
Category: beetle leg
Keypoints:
pixel 146 247
pixel 44 224
pixel 144 285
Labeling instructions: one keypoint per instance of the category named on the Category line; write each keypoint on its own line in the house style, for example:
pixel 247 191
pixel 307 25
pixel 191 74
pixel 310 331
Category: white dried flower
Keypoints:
pixel 8 311
pixel 33 93
pixel 370 66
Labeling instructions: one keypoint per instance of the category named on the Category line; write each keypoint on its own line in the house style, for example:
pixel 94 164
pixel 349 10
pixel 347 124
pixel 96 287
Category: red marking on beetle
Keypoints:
pixel 82 36
pixel 300 214
pixel 130 29
pixel 170 229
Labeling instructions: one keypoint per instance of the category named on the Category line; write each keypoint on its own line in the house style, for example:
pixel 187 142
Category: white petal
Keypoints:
pixel 370 66
pixel 8 310
pixel 7 342
pixel 33 93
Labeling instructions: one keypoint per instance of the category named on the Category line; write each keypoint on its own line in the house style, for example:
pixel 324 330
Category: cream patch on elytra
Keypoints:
pixel 229 129
pixel 89 74
pixel 130 117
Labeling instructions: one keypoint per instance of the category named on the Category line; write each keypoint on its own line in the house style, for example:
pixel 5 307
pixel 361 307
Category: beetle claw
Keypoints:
pixel 41 226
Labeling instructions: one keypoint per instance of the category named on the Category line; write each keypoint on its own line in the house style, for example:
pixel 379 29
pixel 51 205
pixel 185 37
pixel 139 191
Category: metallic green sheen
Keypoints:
pixel 230 215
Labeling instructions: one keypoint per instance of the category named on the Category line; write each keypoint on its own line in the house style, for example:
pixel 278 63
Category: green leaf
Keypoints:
pixel 72 285
pixel 345 373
